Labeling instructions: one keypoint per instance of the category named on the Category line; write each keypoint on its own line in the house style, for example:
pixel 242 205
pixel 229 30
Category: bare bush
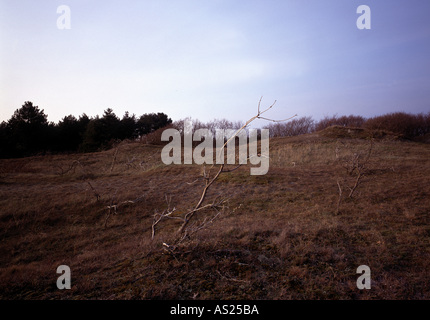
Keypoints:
pixel 212 125
pixel 404 124
pixel 355 165
pixel 345 121
pixel 294 127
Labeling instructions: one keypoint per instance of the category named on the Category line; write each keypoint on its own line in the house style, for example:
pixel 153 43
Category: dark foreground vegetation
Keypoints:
pixel 28 131
pixel 298 232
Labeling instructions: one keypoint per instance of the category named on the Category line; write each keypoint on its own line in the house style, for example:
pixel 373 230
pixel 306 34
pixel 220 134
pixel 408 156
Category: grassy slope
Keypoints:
pixel 280 239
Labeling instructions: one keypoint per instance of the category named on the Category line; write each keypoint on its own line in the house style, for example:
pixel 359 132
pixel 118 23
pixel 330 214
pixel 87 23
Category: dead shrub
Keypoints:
pixel 294 127
pixel 344 121
pixel 401 123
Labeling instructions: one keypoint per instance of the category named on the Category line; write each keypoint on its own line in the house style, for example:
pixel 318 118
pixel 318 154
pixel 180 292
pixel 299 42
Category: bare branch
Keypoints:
pixel 356 167
pixel 115 207
pixel 74 164
pixel 278 120
pixel 209 181
pixel 190 214
pixel 96 194
pixel 187 229
pixel 114 159
pixel 340 196
pixel 165 214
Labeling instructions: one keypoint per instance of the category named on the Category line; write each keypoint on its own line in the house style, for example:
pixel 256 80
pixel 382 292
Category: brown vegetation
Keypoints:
pixel 408 126
pixel 281 236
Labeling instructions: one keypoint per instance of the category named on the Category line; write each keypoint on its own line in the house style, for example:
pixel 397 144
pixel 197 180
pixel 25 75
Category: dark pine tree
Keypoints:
pixel 28 131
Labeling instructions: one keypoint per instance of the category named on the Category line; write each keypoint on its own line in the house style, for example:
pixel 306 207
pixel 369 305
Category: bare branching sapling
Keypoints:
pixel 210 180
pixel 356 168
pixel 188 227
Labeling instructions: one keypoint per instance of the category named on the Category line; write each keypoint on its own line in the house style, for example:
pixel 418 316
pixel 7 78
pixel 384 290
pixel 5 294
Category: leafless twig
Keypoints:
pixel 356 166
pixel 72 166
pixel 112 208
pixel 114 159
pixel 96 194
pixel 165 214
pixel 340 196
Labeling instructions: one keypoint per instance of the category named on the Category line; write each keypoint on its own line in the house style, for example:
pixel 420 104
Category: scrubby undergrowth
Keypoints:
pixel 281 237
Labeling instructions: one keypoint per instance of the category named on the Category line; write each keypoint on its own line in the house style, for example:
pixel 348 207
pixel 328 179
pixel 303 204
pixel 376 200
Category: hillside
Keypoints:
pixel 284 235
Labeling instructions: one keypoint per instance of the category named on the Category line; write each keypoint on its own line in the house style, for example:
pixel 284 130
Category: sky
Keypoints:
pixel 209 59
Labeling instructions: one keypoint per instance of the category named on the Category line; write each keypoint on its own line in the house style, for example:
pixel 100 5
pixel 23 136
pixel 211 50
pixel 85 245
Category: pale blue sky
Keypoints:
pixel 214 58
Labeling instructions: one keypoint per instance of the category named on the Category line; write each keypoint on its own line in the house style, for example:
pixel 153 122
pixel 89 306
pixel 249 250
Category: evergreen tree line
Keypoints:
pixel 28 131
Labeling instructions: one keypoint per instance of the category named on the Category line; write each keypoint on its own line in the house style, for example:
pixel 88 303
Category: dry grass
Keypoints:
pixel 280 239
